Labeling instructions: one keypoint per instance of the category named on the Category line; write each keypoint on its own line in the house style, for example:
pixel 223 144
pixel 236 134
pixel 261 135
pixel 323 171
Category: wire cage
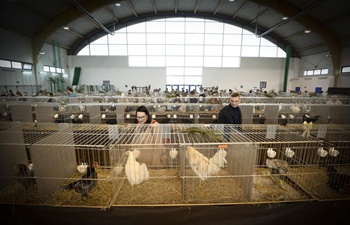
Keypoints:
pixel 175 163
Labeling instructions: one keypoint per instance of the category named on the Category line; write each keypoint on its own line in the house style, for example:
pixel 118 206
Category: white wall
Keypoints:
pixel 246 77
pixel 96 69
pixel 119 77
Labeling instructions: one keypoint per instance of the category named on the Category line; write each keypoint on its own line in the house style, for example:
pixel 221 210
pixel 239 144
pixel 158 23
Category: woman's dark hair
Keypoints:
pixel 145 110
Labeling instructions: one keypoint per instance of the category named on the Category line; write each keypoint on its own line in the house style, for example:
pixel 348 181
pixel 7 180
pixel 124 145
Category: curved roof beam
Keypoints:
pixel 62 20
pixel 317 28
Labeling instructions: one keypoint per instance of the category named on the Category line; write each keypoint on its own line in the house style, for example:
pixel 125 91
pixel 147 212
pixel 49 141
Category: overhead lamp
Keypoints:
pixel 285 18
pixel 42 53
pixel 118 4
pixel 307 31
pixel 66 27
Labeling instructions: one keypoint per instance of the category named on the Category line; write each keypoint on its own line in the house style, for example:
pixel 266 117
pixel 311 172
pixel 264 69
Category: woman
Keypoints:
pixel 147 133
pixel 143 116
pixel 50 95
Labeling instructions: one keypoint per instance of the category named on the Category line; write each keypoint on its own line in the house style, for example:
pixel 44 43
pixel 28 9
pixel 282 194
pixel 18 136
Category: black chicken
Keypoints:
pixel 309 119
pixel 25 175
pixel 86 183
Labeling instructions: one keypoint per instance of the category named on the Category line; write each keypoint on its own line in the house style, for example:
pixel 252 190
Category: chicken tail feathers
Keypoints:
pixel 69 186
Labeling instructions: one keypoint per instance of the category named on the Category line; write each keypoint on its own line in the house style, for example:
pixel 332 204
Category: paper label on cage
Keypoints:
pixel 321 133
pixel 271 131
pixel 222 146
pixel 113 132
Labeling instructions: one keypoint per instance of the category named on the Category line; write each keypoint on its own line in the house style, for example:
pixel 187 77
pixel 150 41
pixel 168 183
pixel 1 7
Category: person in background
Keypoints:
pixel 143 116
pixel 145 134
pixel 11 94
pixel 71 94
pixel 50 95
pixel 334 101
pixel 19 95
pixel 231 114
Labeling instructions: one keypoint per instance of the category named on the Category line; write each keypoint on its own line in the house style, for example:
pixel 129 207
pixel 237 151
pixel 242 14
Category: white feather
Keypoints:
pixel 135 172
pixel 204 167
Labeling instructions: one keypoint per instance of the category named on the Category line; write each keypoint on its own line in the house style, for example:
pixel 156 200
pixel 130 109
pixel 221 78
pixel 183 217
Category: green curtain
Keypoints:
pixel 76 76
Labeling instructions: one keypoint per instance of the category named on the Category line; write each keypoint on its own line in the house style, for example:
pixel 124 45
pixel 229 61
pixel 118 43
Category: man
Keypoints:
pixel 334 101
pixel 231 114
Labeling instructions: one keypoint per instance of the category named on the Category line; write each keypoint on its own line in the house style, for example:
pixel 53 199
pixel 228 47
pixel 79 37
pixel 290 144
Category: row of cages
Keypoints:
pixel 95 165
pixel 299 100
pixel 122 113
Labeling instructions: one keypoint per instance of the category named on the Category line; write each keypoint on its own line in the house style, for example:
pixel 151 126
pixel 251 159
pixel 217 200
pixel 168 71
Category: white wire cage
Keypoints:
pixel 57 150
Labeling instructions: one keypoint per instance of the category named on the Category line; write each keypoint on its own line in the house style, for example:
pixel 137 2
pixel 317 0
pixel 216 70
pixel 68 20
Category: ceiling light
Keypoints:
pixel 232 0
pixel 285 18
pixel 117 4
pixel 66 27
pixel 42 53
pixel 307 31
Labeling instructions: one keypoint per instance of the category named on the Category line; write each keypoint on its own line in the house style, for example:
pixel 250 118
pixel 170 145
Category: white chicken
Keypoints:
pixel 295 109
pixel 161 109
pixel 204 167
pixel 135 172
pixel 217 162
pixel 182 108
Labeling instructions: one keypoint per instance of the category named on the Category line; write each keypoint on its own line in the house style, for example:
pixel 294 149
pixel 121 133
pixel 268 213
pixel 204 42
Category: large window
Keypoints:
pixel 184 46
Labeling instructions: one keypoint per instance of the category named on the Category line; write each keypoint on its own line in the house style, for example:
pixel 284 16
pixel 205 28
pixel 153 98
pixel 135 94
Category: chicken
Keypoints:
pixel 135 172
pixel 182 108
pixel 86 183
pixel 217 162
pixel 25 175
pixel 283 121
pixel 261 119
pixel 278 167
pixel 309 119
pixel 161 109
pixel 204 167
pixel 295 109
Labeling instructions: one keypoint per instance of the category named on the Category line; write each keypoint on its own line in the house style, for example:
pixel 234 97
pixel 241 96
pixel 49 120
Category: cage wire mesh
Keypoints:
pixel 177 163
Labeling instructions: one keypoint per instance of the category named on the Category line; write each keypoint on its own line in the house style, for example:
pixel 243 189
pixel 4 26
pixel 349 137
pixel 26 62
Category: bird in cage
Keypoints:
pixel 204 167
pixel 135 172
pixel 86 183
pixel 283 120
pixel 25 175
pixel 278 167
pixel 308 118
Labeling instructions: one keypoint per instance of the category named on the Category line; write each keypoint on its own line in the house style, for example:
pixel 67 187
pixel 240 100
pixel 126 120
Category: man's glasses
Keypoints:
pixel 141 117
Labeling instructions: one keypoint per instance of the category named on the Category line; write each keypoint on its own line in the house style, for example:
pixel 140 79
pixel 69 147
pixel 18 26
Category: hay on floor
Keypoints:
pixel 100 196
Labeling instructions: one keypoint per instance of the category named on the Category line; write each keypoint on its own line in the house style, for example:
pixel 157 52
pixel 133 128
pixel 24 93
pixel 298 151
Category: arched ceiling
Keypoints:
pixel 43 20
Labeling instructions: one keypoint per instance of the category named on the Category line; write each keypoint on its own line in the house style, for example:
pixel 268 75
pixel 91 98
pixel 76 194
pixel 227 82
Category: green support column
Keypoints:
pixel 286 68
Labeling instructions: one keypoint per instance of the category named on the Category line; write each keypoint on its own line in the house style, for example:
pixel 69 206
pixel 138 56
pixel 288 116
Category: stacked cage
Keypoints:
pixel 334 163
pixel 89 165
pixel 145 166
